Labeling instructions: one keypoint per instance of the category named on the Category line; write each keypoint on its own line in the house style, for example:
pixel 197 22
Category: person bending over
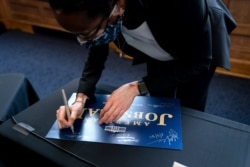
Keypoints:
pixel 182 42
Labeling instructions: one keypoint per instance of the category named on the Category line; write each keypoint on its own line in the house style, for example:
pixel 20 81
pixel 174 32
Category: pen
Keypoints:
pixel 67 108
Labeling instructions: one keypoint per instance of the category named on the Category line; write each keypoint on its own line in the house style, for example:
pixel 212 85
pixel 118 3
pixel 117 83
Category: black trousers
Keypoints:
pixel 194 93
pixel 191 92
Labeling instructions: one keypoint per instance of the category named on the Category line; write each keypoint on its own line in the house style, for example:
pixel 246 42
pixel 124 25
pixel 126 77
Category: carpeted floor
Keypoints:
pixel 50 60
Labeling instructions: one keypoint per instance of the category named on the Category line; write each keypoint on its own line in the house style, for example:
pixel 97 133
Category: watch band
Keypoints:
pixel 142 88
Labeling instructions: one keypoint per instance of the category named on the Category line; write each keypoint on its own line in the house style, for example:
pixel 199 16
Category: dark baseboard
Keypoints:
pixel 2 28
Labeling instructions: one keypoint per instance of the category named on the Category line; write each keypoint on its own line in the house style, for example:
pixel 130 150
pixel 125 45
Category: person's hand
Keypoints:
pixel 118 102
pixel 76 111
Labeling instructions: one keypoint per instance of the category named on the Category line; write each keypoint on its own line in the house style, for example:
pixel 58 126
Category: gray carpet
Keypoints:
pixel 50 60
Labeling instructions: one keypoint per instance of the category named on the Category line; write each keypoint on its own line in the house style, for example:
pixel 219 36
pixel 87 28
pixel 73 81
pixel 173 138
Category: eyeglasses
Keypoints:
pixel 83 38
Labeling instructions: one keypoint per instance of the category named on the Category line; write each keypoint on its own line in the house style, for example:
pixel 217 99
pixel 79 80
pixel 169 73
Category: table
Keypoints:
pixel 16 94
pixel 208 141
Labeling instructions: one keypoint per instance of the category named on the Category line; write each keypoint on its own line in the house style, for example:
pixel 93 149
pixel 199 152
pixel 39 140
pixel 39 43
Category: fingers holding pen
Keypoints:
pixel 60 116
pixel 63 121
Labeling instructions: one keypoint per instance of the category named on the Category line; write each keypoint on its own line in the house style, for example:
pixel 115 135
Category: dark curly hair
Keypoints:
pixel 92 7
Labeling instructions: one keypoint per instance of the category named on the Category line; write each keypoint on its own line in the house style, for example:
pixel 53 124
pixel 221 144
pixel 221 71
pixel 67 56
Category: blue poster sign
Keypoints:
pixel 149 122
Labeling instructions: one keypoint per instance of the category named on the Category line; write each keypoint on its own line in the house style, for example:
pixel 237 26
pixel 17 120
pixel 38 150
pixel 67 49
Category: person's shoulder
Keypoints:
pixel 218 11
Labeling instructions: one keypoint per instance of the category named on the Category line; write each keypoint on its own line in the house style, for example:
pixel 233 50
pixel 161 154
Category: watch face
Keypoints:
pixel 142 88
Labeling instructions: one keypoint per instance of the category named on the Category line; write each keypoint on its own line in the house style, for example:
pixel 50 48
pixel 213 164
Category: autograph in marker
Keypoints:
pixel 171 137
